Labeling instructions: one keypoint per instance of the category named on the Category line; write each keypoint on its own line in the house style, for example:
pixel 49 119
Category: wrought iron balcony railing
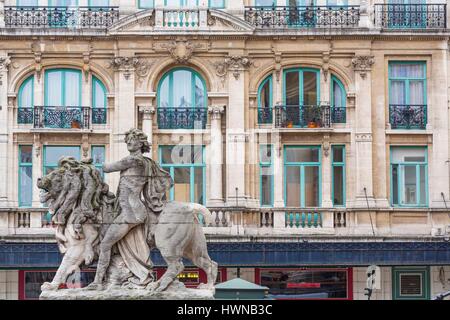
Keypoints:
pixel 61 117
pixel 408 116
pixel 302 116
pixel 338 114
pixel 265 115
pixel 61 17
pixel 303 16
pixel 411 16
pixel 181 118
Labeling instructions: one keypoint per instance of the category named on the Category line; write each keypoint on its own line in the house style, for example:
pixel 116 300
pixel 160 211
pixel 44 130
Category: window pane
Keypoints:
pixel 99 3
pixel 397 93
pixel 53 154
pixel 217 3
pixel 265 153
pixel 26 154
pixel 293 186
pixel 408 154
pixel 309 88
pixel 198 187
pixel 338 154
pixel 173 3
pixel 395 184
pixel 410 284
pixel 199 93
pixel 26 94
pixel 25 185
pixel 182 94
pixel 311 186
pixel 338 95
pixel 54 88
pixel 72 90
pixel 62 3
pixel 407 70
pixel 266 186
pixel 27 2
pixel 338 186
pixel 292 88
pixel 302 154
pixel 264 2
pixel 422 186
pixel 146 4
pixel 182 184
pixel 416 90
pixel 264 96
pixel 409 187
pixel 100 95
pixel 98 155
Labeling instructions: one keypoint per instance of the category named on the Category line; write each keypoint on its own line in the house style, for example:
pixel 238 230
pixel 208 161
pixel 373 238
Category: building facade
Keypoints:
pixel 316 131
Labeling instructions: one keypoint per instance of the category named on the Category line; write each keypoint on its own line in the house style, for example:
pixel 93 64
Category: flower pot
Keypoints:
pixel 312 124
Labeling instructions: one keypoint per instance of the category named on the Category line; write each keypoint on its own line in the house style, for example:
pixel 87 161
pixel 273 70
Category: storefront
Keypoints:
pixel 307 283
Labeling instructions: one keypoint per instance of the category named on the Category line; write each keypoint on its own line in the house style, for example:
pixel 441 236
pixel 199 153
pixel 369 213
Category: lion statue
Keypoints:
pixel 83 208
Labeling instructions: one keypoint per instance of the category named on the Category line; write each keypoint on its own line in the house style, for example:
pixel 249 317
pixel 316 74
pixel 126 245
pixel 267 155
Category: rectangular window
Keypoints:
pixel 52 154
pixel 187 167
pixel 98 157
pixel 302 176
pixel 409 176
pixel 218 4
pixel 407 95
pixel 338 175
pixel 145 4
pixel 25 176
pixel 266 175
pixel 411 283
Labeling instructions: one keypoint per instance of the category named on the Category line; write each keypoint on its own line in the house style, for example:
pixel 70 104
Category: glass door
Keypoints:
pixel 302 13
pixel 407 14
pixel 62 13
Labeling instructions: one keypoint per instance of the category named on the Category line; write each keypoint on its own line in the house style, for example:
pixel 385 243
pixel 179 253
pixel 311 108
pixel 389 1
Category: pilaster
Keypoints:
pixel 216 158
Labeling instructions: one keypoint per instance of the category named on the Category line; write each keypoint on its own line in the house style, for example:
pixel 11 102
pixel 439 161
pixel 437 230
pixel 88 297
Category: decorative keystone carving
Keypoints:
pixel 216 112
pixel 181 50
pixel 325 65
pixel 129 64
pixel 326 145
pixel 363 64
pixel 234 64
pixel 147 112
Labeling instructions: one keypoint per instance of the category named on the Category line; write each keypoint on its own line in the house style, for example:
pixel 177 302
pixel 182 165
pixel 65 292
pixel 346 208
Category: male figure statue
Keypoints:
pixel 140 178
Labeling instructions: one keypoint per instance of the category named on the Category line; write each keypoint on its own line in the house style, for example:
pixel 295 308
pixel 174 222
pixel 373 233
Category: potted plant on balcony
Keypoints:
pixel 75 124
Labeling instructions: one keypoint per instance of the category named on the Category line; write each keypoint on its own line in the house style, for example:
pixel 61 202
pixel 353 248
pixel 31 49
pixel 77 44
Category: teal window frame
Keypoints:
pixel 260 107
pixel 51 3
pixel 217 7
pixel 425 281
pixel 171 169
pixel 22 86
pixel 264 165
pixel 258 5
pixel 98 166
pixel 90 4
pixel 341 164
pixel 300 82
pixel 25 165
pixel 400 180
pixel 343 101
pixel 171 85
pixel 407 80
pixel 141 6
pixel 337 5
pixel 181 3
pixel 63 85
pixel 55 165
pixel 302 166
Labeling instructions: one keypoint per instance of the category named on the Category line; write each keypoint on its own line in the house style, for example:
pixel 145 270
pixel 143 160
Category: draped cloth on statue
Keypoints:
pixel 134 248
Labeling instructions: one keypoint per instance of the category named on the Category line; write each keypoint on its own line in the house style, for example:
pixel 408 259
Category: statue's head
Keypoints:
pixel 137 140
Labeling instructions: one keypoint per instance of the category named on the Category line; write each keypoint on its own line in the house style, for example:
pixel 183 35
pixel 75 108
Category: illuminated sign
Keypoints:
pixel 189 277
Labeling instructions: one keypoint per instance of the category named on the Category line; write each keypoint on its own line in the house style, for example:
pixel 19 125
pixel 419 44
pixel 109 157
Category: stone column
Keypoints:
pixel 216 158
pixel 5 157
pixel 366 11
pixel 147 120
pixel 326 173
pixel 362 136
pixel 37 168
pixel 278 196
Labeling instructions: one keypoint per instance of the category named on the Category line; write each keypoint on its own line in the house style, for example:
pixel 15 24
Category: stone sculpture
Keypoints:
pixel 121 230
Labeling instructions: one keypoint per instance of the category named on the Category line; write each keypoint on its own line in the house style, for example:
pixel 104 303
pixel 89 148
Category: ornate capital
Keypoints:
pixel 130 64
pixel 234 64
pixel 147 112
pixel 363 64
pixel 216 112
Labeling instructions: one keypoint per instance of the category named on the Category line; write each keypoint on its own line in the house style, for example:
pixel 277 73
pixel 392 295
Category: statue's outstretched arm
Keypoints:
pixel 121 165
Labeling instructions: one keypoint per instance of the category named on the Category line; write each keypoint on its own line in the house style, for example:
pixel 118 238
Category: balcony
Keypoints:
pixel 61 17
pixel 61 117
pixel 182 118
pixel 303 16
pixel 411 16
pixel 408 116
pixel 302 116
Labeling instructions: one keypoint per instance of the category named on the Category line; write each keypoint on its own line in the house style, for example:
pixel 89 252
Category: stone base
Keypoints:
pixel 118 293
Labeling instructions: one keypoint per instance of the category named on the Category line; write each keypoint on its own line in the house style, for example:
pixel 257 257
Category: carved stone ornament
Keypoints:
pixel 234 64
pixel 130 64
pixel 363 64
pixel 4 64
pixel 181 51
pixel 147 112
pixel 216 112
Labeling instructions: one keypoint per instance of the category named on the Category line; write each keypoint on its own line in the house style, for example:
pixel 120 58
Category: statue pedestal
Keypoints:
pixel 118 293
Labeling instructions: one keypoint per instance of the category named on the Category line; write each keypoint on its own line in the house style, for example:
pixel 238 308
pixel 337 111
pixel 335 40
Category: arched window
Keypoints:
pixel 265 101
pixel 25 101
pixel 98 101
pixel 182 100
pixel 338 101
